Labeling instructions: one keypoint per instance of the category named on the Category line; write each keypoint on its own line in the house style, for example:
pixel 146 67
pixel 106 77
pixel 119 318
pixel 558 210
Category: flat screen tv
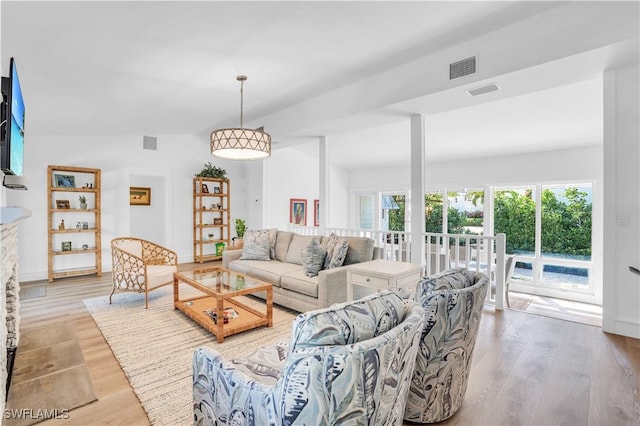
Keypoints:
pixel 12 134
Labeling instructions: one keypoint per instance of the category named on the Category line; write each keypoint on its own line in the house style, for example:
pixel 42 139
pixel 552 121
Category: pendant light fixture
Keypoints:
pixel 241 143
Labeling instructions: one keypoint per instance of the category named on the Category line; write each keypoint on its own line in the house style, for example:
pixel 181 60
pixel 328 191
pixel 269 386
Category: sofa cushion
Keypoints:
pixel 294 254
pixel 242 266
pixel 348 323
pixel 283 239
pixel 273 271
pixel 257 245
pixel 300 283
pixel 360 250
pixel 313 258
pixel 337 247
pixel 270 272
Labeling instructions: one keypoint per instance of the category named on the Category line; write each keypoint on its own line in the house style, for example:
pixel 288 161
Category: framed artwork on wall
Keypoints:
pixel 316 212
pixel 139 196
pixel 298 211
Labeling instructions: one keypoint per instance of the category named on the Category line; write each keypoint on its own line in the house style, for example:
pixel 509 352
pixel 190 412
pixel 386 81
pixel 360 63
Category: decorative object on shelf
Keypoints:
pixel 65 181
pixel 241 143
pixel 210 236
pixel 83 201
pixel 241 228
pixel 85 225
pixel 79 226
pixel 217 221
pixel 66 246
pixel 298 211
pixel 216 189
pixel 316 212
pixel 139 196
pixel 63 204
pixel 211 171
pixel 85 247
pixel 61 226
pixel 219 248
pixel 205 188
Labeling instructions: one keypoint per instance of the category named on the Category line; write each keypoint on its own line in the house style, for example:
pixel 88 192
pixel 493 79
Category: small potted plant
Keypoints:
pixel 241 228
pixel 83 202
pixel 212 171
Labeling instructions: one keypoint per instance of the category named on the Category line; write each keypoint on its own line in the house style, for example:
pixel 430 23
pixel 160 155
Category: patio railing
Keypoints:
pixel 479 253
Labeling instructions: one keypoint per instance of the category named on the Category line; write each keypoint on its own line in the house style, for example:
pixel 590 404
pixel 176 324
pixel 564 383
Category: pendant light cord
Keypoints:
pixel 241 100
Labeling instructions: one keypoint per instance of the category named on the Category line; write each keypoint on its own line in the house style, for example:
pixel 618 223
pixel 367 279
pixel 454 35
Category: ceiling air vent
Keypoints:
pixel 484 89
pixel 462 67
pixel 150 142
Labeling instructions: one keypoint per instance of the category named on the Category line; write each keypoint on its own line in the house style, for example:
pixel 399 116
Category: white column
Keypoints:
pixel 621 291
pixel 323 190
pixel 417 189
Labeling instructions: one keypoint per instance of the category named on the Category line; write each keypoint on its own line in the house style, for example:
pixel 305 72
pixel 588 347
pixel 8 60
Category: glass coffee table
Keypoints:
pixel 217 287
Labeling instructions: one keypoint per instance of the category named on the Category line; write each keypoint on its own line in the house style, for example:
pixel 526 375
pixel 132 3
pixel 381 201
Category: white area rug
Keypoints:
pixel 155 347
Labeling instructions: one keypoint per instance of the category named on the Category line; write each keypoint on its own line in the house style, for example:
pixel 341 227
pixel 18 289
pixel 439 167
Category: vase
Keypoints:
pixel 83 205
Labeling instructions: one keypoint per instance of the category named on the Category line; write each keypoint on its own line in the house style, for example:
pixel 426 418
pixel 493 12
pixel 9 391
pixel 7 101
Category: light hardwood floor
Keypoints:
pixel 527 369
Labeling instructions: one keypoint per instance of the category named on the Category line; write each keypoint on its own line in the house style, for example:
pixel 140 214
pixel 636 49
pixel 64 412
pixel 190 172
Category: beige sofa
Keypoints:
pixel 291 287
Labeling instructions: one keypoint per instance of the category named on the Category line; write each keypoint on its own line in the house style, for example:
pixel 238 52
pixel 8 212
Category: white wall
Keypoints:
pixel 290 173
pixel 177 159
pixel 621 306
pixel 568 164
pixel 149 222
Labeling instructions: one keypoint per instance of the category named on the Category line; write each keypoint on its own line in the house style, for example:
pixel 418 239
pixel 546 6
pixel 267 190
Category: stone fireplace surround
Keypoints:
pixel 9 294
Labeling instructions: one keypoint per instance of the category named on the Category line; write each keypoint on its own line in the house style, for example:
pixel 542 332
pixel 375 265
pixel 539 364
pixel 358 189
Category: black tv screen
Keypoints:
pixel 13 136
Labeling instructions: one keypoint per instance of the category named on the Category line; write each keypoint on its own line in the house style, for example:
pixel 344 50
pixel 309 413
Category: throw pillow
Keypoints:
pixel 273 233
pixel 336 251
pixel 313 258
pixel 257 245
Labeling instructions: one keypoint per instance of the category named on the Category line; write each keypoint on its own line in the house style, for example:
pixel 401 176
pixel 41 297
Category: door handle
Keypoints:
pixel 634 270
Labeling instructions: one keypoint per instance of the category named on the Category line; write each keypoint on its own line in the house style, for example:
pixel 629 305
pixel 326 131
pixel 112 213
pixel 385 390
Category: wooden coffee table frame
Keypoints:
pixel 248 317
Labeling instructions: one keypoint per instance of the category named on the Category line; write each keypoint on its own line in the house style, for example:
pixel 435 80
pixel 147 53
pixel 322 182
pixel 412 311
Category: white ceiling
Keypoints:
pixel 349 70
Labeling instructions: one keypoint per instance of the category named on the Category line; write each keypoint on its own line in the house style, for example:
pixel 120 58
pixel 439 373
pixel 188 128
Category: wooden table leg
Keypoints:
pixel 270 307
pixel 175 290
pixel 220 319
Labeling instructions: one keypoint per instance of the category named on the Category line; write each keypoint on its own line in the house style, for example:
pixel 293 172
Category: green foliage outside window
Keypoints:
pixel 566 225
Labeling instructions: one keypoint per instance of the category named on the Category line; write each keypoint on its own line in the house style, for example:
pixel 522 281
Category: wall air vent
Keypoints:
pixel 150 142
pixel 484 89
pixel 462 68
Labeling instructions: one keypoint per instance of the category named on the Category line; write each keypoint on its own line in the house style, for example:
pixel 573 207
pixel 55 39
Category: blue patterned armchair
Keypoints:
pixel 350 363
pixel 453 303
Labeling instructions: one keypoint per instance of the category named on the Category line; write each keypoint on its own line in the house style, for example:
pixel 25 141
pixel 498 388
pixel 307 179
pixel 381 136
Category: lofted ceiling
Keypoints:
pixel 353 71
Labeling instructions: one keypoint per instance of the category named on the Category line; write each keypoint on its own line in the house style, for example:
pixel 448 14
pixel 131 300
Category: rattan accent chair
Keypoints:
pixel 141 266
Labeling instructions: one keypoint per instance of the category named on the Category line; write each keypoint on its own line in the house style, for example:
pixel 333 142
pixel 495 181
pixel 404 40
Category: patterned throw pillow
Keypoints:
pixel 257 245
pixel 273 232
pixel 336 251
pixel 312 258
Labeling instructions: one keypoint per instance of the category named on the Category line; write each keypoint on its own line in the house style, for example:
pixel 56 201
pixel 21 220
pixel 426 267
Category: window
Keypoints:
pixel 552 235
pixel 514 214
pixel 365 208
pixel 466 212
